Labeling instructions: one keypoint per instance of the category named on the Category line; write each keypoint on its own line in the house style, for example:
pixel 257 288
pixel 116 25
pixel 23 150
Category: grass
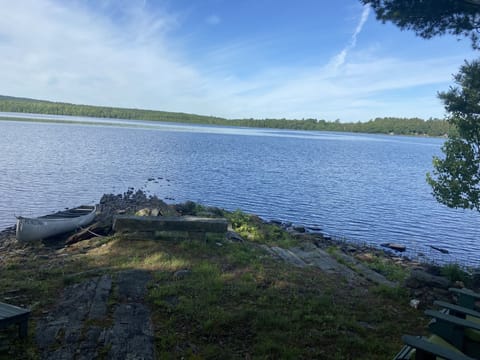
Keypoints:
pixel 215 299
pixel 455 272
pixel 388 268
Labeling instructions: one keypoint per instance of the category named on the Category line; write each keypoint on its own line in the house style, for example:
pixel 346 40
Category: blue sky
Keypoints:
pixel 236 59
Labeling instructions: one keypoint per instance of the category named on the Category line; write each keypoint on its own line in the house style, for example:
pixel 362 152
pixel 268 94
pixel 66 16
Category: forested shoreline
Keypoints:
pixel 386 125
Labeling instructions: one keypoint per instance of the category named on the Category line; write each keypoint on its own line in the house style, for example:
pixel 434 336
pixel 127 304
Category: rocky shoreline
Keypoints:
pixel 424 274
pixel 139 203
pixel 358 264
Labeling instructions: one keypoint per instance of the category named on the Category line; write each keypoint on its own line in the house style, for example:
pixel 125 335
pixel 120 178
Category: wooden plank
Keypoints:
pixel 452 320
pixel 7 310
pixel 127 223
pixel 10 314
pixel 466 292
pixel 467 298
pixel 457 309
pixel 428 350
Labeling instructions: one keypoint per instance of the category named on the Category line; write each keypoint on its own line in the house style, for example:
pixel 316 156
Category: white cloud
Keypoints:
pixel 63 51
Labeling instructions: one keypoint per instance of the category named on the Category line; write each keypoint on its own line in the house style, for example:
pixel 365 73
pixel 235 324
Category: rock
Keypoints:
pixel 299 228
pixel 289 256
pixel 180 274
pixel 366 325
pixel 276 222
pixel 143 212
pixel 443 251
pixel 216 211
pixel 396 247
pixel 367 257
pixel 132 333
pixel 63 328
pixel 419 278
pixel 233 236
pixel 187 208
pixel 476 279
pixel 351 249
pixel 132 284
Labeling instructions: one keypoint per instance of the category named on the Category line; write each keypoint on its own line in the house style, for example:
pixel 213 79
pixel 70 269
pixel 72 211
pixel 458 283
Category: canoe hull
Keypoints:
pixel 31 229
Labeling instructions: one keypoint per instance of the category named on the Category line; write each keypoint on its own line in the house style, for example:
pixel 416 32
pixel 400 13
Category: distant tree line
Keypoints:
pixel 389 125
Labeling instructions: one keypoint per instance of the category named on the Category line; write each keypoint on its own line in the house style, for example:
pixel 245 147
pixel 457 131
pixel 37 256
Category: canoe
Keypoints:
pixel 29 229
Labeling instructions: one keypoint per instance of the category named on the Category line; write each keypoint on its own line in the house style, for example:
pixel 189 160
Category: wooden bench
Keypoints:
pixel 191 224
pixel 10 314
pixel 432 348
pixel 467 298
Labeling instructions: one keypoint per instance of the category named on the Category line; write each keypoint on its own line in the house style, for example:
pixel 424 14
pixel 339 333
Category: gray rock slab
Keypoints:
pixel 320 259
pixel 63 327
pixel 98 308
pixel 288 256
pixel 366 272
pixel 131 336
pixel 68 332
pixel 313 256
pixel 132 285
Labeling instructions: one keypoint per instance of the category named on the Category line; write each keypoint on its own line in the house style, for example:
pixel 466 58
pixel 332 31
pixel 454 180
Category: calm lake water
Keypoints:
pixel 365 188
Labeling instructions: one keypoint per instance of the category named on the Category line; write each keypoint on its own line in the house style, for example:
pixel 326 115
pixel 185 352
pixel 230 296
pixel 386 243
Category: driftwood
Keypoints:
pixel 95 230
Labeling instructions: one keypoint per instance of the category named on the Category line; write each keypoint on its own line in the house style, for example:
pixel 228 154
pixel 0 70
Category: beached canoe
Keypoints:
pixel 29 229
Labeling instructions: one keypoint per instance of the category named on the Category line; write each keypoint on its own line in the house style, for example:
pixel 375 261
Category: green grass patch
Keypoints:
pixel 388 268
pixel 454 272
pixel 218 299
pixel 252 228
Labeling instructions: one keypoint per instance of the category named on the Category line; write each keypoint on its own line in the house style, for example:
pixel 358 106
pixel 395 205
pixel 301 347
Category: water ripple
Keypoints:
pixel 366 188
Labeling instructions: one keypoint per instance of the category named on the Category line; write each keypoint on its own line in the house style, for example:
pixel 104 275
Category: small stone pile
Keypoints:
pixel 132 202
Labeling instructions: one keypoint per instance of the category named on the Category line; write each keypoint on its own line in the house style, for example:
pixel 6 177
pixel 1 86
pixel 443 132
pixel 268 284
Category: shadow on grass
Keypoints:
pixel 216 299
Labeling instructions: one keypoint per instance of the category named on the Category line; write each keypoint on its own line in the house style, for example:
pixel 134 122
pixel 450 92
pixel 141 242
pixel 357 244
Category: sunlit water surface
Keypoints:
pixel 365 188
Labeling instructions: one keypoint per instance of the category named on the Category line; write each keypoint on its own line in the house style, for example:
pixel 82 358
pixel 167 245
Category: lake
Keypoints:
pixel 364 188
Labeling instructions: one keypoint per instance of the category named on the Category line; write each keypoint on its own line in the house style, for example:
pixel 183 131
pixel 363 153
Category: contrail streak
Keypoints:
pixel 339 59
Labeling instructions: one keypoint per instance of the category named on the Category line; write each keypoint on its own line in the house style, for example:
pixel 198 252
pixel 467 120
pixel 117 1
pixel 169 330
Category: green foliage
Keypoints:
pixel 388 268
pixel 456 178
pixel 454 272
pixel 429 18
pixel 398 126
pixel 393 293
pixel 254 229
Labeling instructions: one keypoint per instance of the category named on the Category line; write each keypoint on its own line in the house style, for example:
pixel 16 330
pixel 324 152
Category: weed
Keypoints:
pixel 388 268
pixel 392 293
pixel 454 272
